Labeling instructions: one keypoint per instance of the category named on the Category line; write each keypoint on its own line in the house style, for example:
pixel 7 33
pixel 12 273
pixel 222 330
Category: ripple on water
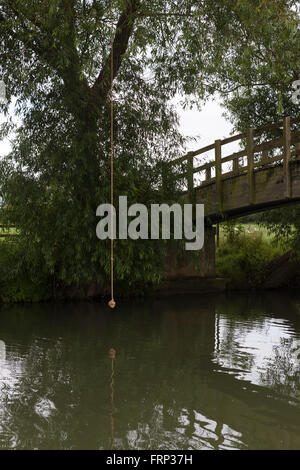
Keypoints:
pixel 45 408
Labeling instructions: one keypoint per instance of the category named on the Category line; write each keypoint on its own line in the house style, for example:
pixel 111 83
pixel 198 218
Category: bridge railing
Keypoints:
pixel 289 142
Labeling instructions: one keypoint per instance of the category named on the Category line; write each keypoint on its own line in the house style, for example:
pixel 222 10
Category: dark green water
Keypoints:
pixel 198 373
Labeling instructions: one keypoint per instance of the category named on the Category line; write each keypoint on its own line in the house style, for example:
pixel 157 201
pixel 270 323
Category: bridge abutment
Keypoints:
pixel 189 264
pixel 186 276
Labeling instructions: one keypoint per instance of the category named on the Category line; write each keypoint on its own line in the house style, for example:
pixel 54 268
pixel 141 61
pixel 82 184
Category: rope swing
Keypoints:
pixel 112 302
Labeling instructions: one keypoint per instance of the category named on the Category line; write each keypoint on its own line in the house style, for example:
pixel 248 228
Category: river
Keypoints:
pixel 207 372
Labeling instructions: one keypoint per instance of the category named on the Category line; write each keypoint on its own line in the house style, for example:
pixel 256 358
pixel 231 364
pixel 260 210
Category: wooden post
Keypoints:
pixel 287 155
pixel 235 165
pixel 218 163
pixel 250 161
pixel 218 235
pixel 190 177
pixel 208 173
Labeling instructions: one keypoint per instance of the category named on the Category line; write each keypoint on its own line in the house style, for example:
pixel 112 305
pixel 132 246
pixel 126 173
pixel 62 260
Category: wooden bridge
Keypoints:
pixel 263 174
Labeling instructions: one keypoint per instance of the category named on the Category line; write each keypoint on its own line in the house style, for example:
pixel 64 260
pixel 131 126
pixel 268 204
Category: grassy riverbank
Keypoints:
pixel 244 255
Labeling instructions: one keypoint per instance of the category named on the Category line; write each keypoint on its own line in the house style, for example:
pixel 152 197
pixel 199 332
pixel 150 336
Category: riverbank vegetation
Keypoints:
pixel 244 255
pixel 249 248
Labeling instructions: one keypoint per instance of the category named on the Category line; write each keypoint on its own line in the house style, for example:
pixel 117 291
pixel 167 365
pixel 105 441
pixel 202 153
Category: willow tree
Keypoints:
pixel 55 57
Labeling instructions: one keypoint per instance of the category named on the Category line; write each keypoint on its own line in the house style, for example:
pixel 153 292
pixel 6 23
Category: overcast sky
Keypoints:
pixel 208 124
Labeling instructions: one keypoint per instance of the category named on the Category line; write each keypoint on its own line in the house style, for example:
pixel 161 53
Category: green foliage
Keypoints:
pixel 284 225
pixel 20 281
pixel 232 230
pixel 55 60
pixel 243 261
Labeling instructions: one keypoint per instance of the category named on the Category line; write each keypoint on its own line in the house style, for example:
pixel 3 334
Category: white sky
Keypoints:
pixel 208 124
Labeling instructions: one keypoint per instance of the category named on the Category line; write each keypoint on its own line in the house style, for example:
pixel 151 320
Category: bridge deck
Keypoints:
pixel 269 191
pixel 271 176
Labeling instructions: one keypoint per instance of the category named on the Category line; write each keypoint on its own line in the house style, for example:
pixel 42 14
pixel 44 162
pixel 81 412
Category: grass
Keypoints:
pixel 6 232
pixel 244 255
pixel 248 230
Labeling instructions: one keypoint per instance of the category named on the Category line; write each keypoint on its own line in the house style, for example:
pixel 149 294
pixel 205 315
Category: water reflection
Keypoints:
pixel 112 356
pixel 2 350
pixel 264 352
pixel 207 373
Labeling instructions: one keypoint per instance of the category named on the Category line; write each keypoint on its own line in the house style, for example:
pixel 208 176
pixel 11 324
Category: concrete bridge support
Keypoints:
pixel 189 264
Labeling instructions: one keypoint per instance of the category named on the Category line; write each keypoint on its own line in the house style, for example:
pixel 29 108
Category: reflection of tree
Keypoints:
pixel 180 428
pixel 112 356
pixel 231 337
pixel 234 313
pixel 244 316
pixel 283 374
pixel 43 375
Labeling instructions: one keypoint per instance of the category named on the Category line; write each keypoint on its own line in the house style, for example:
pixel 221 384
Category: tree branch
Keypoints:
pixel 120 43
pixel 70 72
